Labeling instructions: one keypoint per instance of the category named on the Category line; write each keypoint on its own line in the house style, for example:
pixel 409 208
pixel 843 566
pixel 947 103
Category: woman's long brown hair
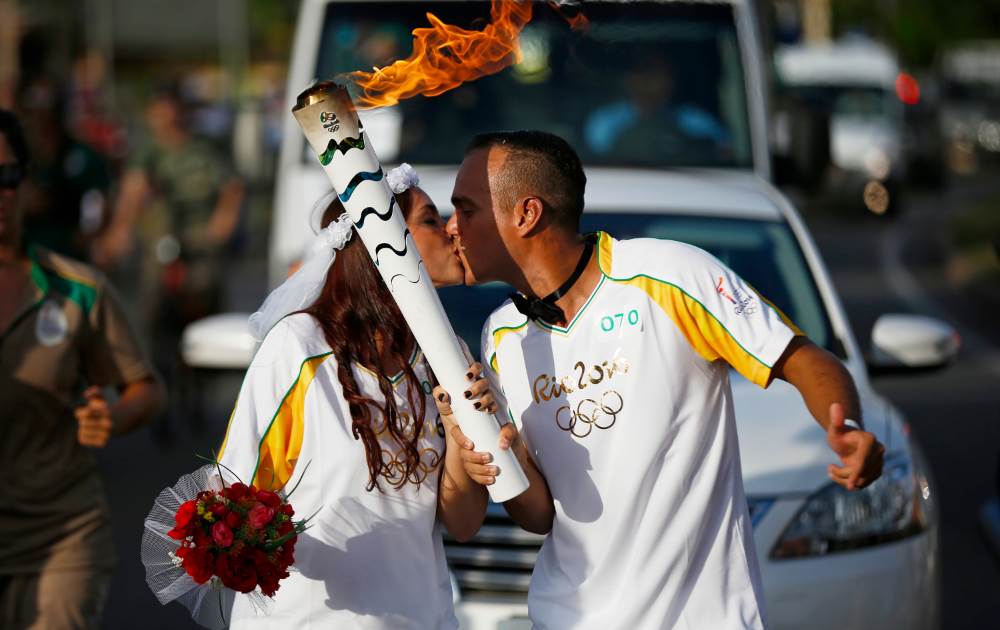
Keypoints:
pixel 354 309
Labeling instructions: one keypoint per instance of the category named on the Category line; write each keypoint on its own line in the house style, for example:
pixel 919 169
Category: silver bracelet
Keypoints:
pixel 853 424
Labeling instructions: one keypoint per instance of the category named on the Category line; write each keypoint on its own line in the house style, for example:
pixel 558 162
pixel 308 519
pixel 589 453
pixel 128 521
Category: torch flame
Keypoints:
pixel 445 56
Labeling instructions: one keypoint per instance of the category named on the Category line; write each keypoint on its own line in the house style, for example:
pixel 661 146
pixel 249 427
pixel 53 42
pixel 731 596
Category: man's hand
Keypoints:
pixel 94 419
pixel 479 465
pixel 860 453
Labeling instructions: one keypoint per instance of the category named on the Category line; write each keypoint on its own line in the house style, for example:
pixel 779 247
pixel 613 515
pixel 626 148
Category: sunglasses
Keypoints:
pixel 11 175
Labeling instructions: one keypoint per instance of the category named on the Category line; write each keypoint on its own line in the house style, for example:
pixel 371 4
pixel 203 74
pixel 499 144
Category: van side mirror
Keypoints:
pixel 911 342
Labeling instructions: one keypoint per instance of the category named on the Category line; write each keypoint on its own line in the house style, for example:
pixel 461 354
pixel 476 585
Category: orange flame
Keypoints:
pixel 578 22
pixel 445 56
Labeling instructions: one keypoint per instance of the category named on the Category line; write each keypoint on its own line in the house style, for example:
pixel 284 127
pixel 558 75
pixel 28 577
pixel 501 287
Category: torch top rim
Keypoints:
pixel 317 93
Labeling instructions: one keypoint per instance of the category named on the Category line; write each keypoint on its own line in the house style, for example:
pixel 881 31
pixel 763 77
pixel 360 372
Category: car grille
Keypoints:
pixel 501 556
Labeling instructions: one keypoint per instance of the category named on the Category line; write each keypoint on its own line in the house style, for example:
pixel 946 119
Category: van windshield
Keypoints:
pixel 848 101
pixel 647 85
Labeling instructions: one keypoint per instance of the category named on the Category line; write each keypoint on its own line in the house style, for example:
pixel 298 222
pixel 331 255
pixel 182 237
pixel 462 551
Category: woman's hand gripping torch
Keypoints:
pixel 331 125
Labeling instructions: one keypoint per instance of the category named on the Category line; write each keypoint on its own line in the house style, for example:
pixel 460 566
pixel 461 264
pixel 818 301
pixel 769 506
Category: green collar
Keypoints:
pixel 38 275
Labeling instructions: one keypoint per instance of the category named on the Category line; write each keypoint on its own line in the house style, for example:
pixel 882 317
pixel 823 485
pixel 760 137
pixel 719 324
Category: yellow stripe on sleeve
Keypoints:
pixel 498 336
pixel 282 441
pixel 784 318
pixel 701 328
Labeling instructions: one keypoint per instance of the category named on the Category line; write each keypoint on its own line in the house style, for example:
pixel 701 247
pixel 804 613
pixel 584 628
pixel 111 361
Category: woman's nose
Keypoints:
pixel 451 226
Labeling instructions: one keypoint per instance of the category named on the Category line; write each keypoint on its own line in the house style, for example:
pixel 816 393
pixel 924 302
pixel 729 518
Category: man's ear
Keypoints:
pixel 528 214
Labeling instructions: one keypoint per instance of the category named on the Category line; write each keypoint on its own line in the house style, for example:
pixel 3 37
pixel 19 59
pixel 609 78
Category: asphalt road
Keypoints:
pixel 878 267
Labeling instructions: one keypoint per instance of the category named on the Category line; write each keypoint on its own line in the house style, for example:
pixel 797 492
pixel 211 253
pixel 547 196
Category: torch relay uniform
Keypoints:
pixel 369 559
pixel 628 412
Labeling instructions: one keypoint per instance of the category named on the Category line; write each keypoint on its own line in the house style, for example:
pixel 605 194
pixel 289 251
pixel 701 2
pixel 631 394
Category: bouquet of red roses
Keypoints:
pixel 204 534
pixel 242 535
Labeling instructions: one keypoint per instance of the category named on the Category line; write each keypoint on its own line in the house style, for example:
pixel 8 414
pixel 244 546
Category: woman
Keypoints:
pixel 337 404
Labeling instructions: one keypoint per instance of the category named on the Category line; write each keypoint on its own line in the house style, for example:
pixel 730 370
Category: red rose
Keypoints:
pixel 201 537
pixel 269 498
pixel 198 563
pixel 286 509
pixel 236 571
pixel 268 573
pixel 182 520
pixel 185 513
pixel 218 509
pixel 235 492
pixel 222 535
pixel 285 554
pixel 260 515
pixel 234 520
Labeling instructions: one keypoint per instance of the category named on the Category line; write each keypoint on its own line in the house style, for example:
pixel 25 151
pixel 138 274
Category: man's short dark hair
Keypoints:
pixel 541 164
pixel 10 128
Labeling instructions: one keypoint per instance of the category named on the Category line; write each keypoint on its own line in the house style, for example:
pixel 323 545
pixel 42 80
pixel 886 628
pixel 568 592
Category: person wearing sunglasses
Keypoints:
pixel 64 344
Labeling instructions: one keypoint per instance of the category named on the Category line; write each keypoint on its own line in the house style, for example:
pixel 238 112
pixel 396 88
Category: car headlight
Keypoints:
pixel 896 506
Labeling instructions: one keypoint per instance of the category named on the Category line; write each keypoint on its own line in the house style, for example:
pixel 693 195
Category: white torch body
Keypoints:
pixel 332 127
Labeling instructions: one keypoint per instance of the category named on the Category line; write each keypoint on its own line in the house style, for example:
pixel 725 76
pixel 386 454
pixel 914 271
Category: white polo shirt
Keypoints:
pixel 370 559
pixel 628 412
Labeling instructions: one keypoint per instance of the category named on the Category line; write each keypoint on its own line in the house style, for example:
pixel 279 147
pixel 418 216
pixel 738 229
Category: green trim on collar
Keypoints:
pixel 576 318
pixel 85 295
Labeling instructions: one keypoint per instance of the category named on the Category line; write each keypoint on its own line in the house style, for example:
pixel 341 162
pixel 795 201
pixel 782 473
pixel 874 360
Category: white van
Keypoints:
pixel 665 101
pixel 854 81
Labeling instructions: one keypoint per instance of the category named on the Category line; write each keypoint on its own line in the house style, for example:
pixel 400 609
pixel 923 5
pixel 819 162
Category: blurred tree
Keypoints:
pixel 272 26
pixel 919 29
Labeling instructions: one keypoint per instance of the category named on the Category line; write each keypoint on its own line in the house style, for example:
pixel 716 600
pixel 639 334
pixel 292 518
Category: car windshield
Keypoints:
pixel 764 253
pixel 659 85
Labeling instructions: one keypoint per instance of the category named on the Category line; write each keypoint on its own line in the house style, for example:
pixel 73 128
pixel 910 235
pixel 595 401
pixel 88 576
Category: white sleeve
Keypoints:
pixel 722 316
pixel 490 371
pixel 266 426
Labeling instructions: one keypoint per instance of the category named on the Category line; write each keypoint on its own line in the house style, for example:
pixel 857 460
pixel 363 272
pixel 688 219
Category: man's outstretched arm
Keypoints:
pixel 829 392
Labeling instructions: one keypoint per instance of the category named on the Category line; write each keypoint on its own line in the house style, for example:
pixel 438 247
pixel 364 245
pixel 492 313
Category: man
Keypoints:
pixel 633 426
pixel 179 196
pixel 62 339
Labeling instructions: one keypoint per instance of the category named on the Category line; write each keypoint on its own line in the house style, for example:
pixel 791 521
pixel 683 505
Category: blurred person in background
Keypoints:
pixel 63 340
pixel 180 197
pixel 65 194
pixel 649 118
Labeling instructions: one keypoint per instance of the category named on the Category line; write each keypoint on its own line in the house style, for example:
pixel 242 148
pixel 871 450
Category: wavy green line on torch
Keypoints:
pixel 347 143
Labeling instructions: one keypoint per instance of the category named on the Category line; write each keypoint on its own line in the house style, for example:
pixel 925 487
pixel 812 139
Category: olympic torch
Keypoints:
pixel 331 125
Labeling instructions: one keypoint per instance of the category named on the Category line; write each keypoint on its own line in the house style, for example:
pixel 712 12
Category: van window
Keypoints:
pixel 656 85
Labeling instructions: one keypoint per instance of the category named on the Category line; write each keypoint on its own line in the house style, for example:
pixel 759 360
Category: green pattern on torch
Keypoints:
pixel 347 143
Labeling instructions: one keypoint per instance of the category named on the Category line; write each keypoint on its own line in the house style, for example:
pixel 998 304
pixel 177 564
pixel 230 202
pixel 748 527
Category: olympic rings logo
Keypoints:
pixel 590 413
pixel 394 467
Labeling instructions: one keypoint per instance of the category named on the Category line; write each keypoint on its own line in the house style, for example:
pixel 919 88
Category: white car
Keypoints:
pixel 829 558
pixel 865 561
